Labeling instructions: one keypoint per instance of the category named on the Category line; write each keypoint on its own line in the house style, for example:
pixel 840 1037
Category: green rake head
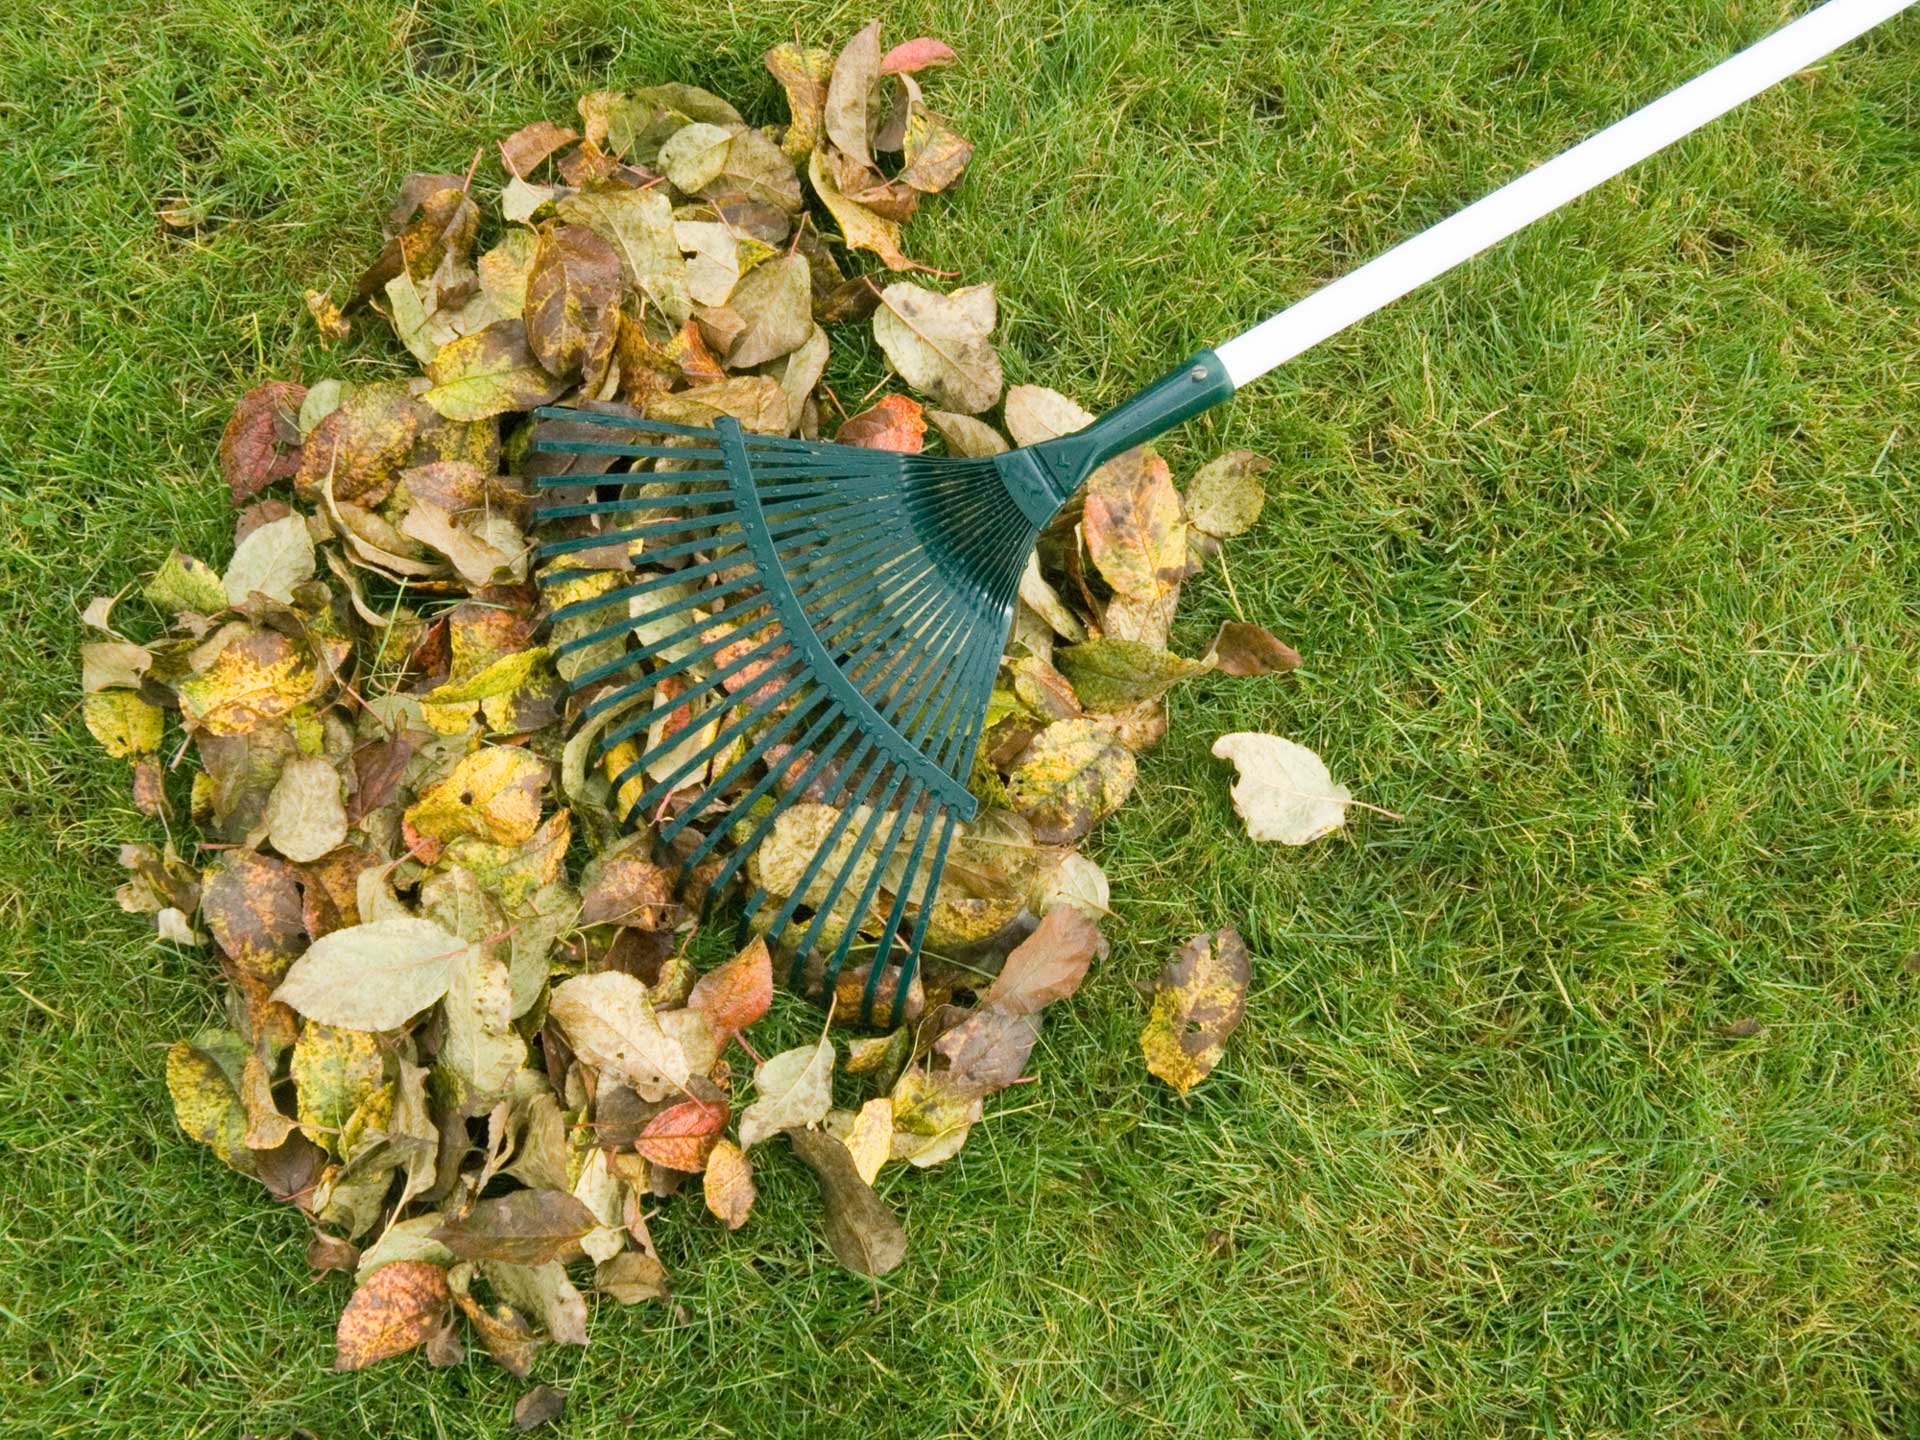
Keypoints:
pixel 834 616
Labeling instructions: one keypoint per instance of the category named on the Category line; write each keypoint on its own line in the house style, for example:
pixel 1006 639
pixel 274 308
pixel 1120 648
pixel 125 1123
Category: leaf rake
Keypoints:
pixel 853 603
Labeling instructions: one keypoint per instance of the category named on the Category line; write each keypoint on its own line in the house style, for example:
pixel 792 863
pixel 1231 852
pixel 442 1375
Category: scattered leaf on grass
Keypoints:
pixel 861 1231
pixel 1284 791
pixel 728 1184
pixel 1225 495
pixel 397 1307
pixel 1198 1001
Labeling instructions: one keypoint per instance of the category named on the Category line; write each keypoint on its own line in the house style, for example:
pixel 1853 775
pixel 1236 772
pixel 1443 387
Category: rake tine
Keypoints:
pixel 601 539
pixel 761 786
pixel 796 677
pixel 717 787
pixel 882 765
pixel 676 667
pixel 766 822
pixel 897 785
pixel 903 812
pixel 623 452
pixel 632 502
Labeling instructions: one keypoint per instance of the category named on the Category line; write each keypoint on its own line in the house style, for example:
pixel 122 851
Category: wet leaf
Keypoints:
pixel 728 1184
pixel 1073 775
pixel 861 1231
pixel 893 423
pixel 305 817
pixel 522 1227
pixel 1284 792
pixel 374 976
pixel 542 1405
pixel 261 443
pixel 793 1088
pixel 1048 965
pixel 939 343
pixel 572 295
pixel 1225 495
pixel 396 1309
pixel 488 373
pixel 1199 1000
pixel 1239 649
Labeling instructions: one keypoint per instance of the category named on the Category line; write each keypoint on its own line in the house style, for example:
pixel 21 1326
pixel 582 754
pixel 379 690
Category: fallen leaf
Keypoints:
pixel 861 1231
pixel 776 301
pixel 1199 1000
pixel 493 794
pixel 1239 649
pixel 791 1089
pixel 803 73
pixel 917 54
pixel 273 559
pixel 397 1307
pixel 305 817
pixel 728 1184
pixel 893 423
pixel 1284 791
pixel 375 976
pixel 521 1227
pixel 632 1277
pixel 682 1136
pixel 939 343
pixel 185 584
pixel 1048 965
pixel 870 1137
pixel 261 443
pixel 610 1021
pixel 734 995
pixel 965 435
pixel 327 319
pixel 205 1102
pixel 1073 775
pixel 855 72
pixel 1135 533
pixel 1109 674
pixel 523 150
pixel 487 373
pixel 1225 495
pixel 639 225
pixel 542 1405
pixel 123 723
pixel 1035 414
pixel 988 1050
pixel 860 227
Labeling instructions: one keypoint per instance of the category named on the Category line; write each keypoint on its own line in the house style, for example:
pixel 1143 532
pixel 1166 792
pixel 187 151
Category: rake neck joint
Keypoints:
pixel 1041 477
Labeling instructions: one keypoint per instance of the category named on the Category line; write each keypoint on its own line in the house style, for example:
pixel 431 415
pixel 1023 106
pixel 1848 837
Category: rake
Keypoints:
pixel 836 615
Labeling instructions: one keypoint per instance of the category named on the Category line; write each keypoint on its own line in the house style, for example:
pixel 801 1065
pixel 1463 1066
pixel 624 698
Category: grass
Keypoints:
pixel 1602 556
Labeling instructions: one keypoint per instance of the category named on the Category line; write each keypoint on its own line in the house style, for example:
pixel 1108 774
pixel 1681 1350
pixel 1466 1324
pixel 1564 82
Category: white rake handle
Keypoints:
pixel 1335 306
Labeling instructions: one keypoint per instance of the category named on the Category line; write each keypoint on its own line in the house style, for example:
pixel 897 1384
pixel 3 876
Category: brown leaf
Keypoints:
pixel 1239 649
pixel 396 1309
pixel 1048 965
pixel 987 1051
pixel 523 1227
pixel 736 994
pixel 261 443
pixel 326 1253
pixel 728 1184
pixel 573 295
pixel 252 905
pixel 631 1277
pixel 895 423
pixel 626 890
pixel 855 73
pixel 530 144
pixel 1199 999
pixel 541 1405
pixel 682 1136
pixel 861 1231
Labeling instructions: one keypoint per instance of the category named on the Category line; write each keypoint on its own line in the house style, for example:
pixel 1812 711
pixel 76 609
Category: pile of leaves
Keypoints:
pixel 463 1030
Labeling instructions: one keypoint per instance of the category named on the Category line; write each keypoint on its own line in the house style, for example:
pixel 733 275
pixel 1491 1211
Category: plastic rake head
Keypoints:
pixel 802 619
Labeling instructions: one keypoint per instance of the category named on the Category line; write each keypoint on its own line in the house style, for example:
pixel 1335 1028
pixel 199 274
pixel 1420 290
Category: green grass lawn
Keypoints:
pixel 1581 1102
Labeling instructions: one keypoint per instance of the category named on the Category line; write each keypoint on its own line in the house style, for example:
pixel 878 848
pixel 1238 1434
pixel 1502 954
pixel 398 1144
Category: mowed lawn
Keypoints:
pixel 1580 1102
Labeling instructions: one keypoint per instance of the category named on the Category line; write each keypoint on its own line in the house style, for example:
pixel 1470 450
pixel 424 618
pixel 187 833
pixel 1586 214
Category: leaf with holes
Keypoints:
pixel 1199 1000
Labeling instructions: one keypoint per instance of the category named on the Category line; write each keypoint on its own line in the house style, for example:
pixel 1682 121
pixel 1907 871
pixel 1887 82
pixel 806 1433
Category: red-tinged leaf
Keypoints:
pixel 737 993
pixel 682 1136
pixel 261 443
pixel 1048 965
pixel 917 54
pixel 398 1308
pixel 987 1051
pixel 1239 649
pixel 897 422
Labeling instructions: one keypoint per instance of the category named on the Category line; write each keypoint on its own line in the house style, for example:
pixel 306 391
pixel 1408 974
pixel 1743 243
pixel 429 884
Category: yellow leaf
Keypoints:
pixel 123 723
pixel 205 1102
pixel 493 794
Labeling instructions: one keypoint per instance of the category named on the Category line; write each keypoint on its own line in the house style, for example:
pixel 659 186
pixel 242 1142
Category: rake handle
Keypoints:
pixel 1520 202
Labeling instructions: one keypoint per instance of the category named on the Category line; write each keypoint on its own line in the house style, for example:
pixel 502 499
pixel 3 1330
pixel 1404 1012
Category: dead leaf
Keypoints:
pixel 861 1231
pixel 939 343
pixel 521 1227
pixel 1073 775
pixel 893 423
pixel 542 1405
pixel 1284 792
pixel 261 443
pixel 1225 495
pixel 1199 1000
pixel 728 1184
pixel 855 72
pixel 397 1307
pixel 375 976
pixel 734 995
pixel 791 1089
pixel 1239 649
pixel 1048 965
pixel 305 817
pixel 682 1136
pixel 1111 674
